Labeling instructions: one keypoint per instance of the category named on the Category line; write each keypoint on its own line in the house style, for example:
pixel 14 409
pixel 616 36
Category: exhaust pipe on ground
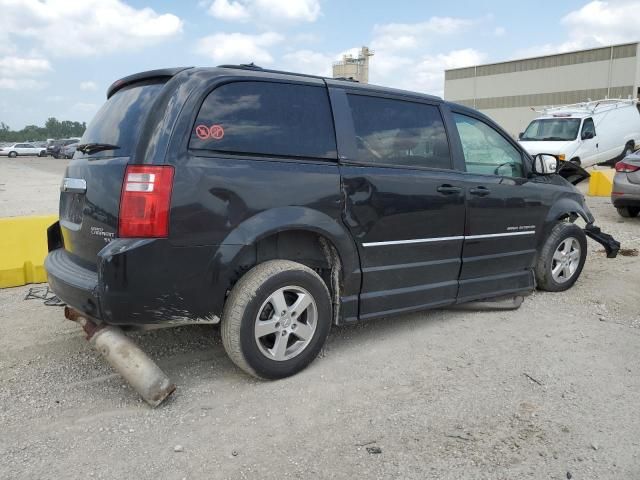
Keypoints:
pixel 126 358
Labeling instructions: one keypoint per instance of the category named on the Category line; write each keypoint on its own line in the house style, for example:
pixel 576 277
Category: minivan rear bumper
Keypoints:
pixel 73 284
pixel 143 281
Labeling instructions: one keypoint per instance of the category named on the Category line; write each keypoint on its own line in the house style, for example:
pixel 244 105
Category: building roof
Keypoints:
pixel 540 59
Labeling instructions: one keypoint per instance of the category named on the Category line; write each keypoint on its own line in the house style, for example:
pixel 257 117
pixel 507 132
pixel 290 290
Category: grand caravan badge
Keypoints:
pixel 99 232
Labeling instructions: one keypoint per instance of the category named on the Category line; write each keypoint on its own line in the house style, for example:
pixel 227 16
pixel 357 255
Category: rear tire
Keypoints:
pixel 13 154
pixel 561 258
pixel 628 212
pixel 277 301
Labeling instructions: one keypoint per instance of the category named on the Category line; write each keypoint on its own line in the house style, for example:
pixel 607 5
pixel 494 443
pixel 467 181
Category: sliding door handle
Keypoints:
pixel 480 191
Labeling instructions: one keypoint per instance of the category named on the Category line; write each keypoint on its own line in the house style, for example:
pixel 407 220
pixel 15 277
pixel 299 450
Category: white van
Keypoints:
pixel 585 133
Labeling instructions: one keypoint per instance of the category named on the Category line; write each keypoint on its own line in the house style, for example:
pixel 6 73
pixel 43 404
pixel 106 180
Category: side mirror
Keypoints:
pixel 545 164
pixel 520 135
pixel 587 135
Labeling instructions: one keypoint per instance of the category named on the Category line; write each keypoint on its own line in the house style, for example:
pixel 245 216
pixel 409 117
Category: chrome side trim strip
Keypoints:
pixel 493 235
pixel 415 240
pixel 447 239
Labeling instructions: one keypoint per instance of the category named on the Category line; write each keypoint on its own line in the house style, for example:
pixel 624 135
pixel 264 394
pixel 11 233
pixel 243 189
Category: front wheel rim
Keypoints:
pixel 286 323
pixel 566 260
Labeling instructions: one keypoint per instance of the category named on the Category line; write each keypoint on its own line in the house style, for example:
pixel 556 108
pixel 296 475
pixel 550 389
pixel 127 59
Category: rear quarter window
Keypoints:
pixel 265 118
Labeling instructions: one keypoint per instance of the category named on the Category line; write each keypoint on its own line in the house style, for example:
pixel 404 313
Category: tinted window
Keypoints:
pixel 395 132
pixel 486 151
pixel 120 119
pixel 266 119
pixel 588 127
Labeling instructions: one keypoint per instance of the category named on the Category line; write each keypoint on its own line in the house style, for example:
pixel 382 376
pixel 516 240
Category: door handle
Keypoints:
pixel 448 189
pixel 480 191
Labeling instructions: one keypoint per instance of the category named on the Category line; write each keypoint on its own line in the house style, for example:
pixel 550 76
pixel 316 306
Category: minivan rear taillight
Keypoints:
pixel 144 203
pixel 626 168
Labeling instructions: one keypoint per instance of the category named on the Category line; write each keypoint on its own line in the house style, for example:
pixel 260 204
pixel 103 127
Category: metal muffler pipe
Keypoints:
pixel 127 359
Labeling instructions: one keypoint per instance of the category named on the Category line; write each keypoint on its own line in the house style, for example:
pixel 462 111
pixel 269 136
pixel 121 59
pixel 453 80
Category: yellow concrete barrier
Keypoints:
pixel 601 182
pixel 23 246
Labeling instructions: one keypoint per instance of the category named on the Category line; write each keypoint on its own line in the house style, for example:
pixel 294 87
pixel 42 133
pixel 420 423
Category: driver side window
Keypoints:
pixel 588 129
pixel 486 151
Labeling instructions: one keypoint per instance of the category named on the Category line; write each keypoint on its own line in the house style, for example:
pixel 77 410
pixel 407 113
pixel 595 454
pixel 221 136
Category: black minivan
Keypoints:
pixel 279 204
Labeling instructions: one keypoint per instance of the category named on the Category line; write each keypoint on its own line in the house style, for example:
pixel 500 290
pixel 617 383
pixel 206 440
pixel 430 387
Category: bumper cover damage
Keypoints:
pixel 610 244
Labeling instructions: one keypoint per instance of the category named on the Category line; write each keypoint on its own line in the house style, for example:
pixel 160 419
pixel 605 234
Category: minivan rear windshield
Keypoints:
pixel 119 121
pixel 552 129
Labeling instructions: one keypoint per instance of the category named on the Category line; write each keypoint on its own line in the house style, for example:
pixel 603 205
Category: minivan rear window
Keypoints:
pixel 264 118
pixel 121 118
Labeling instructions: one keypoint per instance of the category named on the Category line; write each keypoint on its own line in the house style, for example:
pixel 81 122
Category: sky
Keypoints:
pixel 58 57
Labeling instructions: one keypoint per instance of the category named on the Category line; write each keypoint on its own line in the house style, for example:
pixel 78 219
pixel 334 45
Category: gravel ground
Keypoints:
pixel 549 390
pixel 30 185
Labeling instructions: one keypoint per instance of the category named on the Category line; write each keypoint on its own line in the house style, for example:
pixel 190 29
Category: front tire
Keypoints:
pixel 561 258
pixel 276 319
pixel 628 212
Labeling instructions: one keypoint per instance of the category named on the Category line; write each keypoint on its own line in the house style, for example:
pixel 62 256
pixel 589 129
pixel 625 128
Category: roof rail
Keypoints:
pixel 254 67
pixel 347 79
pixel 589 106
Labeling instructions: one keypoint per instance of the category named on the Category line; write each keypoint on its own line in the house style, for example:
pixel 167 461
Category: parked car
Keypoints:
pixel 585 133
pixel 15 149
pixel 625 194
pixel 68 150
pixel 54 149
pixel 280 204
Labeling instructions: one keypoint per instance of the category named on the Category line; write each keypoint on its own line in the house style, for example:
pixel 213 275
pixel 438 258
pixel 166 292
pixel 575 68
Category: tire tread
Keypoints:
pixel 559 232
pixel 241 295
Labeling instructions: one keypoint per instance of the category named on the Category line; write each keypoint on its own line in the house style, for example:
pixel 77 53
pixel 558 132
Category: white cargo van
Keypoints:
pixel 585 133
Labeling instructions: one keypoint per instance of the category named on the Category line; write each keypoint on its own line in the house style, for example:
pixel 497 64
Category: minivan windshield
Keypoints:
pixel 115 128
pixel 552 129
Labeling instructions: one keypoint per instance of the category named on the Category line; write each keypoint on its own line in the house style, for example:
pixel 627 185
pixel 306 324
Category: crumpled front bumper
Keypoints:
pixel 610 244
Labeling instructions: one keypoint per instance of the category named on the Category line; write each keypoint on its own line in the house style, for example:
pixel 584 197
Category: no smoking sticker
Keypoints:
pixel 214 131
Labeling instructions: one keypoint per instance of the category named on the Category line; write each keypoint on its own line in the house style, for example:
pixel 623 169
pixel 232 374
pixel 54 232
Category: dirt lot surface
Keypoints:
pixel 30 185
pixel 550 391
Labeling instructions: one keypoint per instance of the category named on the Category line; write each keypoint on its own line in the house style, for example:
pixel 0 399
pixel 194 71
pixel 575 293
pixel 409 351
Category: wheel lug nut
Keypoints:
pixel 293 327
pixel 277 324
pixel 284 332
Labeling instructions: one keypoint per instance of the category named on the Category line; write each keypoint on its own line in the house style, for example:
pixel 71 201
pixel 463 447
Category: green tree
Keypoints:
pixel 53 128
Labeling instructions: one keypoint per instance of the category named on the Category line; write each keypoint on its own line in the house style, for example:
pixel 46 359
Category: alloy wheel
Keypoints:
pixel 566 259
pixel 286 323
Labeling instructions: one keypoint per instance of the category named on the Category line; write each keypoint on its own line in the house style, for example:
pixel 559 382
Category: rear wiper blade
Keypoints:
pixel 90 148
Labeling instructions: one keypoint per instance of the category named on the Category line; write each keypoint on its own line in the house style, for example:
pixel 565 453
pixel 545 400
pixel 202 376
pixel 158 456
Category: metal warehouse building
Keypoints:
pixel 506 91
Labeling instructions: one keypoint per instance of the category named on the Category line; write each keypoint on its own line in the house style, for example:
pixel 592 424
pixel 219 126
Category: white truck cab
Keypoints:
pixel 585 133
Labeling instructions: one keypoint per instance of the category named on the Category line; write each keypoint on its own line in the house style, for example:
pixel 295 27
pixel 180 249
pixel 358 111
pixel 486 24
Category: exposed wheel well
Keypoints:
pixel 308 248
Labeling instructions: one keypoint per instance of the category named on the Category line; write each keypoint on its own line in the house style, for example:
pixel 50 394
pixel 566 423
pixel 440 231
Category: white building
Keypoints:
pixel 356 68
pixel 507 91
